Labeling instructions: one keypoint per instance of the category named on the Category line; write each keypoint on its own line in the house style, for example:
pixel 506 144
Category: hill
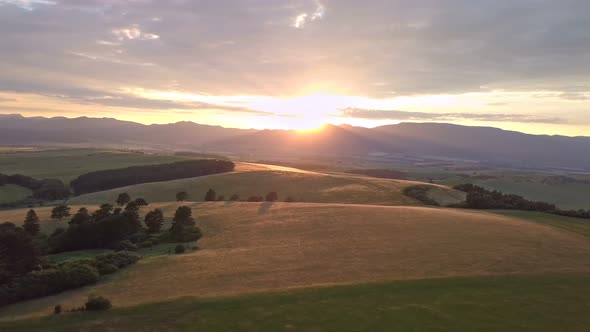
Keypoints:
pixel 252 247
pixel 433 140
pixel 258 180
pixel 456 304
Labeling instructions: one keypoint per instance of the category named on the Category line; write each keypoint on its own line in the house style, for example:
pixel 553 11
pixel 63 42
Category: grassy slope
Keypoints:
pixel 67 164
pixel 249 247
pixel 308 187
pixel 11 193
pixel 579 226
pixel 531 186
pixel 523 303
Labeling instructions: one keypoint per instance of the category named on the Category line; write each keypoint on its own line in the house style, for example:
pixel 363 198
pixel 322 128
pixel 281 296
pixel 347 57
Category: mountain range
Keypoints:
pixel 437 140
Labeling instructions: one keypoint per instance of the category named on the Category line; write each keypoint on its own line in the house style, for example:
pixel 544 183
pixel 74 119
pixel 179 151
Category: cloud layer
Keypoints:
pixel 285 48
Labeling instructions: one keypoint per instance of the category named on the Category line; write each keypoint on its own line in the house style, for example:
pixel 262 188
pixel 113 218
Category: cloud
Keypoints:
pixel 425 116
pixel 27 4
pixel 317 14
pixel 380 49
pixel 133 32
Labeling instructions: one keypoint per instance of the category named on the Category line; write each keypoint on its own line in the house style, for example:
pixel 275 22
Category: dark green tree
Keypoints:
pixel 141 202
pixel 80 217
pixel 104 211
pixel 18 253
pixel 210 196
pixel 31 224
pixel 154 220
pixel 182 196
pixel 123 199
pixel 234 198
pixel 59 212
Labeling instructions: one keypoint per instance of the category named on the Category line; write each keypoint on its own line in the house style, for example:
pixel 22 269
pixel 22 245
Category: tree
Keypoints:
pixel 154 220
pixel 141 202
pixel 80 217
pixel 123 199
pixel 31 224
pixel 59 212
pixel 104 211
pixel 272 197
pixel 234 198
pixel 132 207
pixel 183 226
pixel 182 196
pixel 210 195
pixel 18 254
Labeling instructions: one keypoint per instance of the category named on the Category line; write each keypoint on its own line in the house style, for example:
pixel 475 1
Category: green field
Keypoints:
pixel 516 303
pixel 67 164
pixel 11 193
pixel 532 186
pixel 307 187
pixel 579 226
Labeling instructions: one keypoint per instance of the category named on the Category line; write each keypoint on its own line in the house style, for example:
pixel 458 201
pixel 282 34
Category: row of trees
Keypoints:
pixel 211 196
pixel 116 178
pixel 481 198
pixel 47 189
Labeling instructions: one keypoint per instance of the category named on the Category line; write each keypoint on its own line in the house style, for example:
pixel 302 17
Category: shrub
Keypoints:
pixel 106 268
pixel 179 249
pixel 420 193
pixel 234 197
pixel 125 245
pixel 57 309
pixel 271 197
pixel 97 303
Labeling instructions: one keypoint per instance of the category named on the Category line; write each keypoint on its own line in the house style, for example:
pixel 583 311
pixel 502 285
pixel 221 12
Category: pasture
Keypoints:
pixel 256 247
pixel 300 185
pixel 507 303
pixel 67 164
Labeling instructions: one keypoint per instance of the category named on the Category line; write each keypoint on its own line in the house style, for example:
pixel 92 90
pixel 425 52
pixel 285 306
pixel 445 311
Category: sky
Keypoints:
pixel 520 65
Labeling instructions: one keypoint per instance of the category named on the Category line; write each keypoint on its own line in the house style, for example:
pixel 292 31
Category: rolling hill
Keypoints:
pixel 253 247
pixel 303 186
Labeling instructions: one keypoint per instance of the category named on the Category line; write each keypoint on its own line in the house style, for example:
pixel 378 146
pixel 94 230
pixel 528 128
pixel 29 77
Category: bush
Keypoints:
pixel 97 303
pixel 125 245
pixel 179 249
pixel 57 309
pixel 119 259
pixel 106 268
pixel 145 244
pixel 420 193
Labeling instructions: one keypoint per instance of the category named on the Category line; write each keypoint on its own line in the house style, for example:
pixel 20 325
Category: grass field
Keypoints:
pixel 253 247
pixel 531 186
pixel 579 226
pixel 67 164
pixel 302 186
pixel 515 303
pixel 11 193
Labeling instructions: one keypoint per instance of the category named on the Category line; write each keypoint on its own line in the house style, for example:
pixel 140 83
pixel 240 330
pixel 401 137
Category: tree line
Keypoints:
pixel 481 198
pixel 116 178
pixel 46 189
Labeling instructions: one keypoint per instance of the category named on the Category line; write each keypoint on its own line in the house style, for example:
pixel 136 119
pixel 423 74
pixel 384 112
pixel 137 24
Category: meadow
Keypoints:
pixel 300 186
pixel 67 164
pixel 257 247
pixel 507 303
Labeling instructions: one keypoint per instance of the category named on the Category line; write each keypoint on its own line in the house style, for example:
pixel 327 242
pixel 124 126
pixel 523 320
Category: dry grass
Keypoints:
pixel 251 247
pixel 254 180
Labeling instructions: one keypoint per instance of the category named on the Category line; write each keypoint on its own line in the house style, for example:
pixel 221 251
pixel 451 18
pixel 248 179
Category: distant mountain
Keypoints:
pixel 490 145
pixel 16 129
